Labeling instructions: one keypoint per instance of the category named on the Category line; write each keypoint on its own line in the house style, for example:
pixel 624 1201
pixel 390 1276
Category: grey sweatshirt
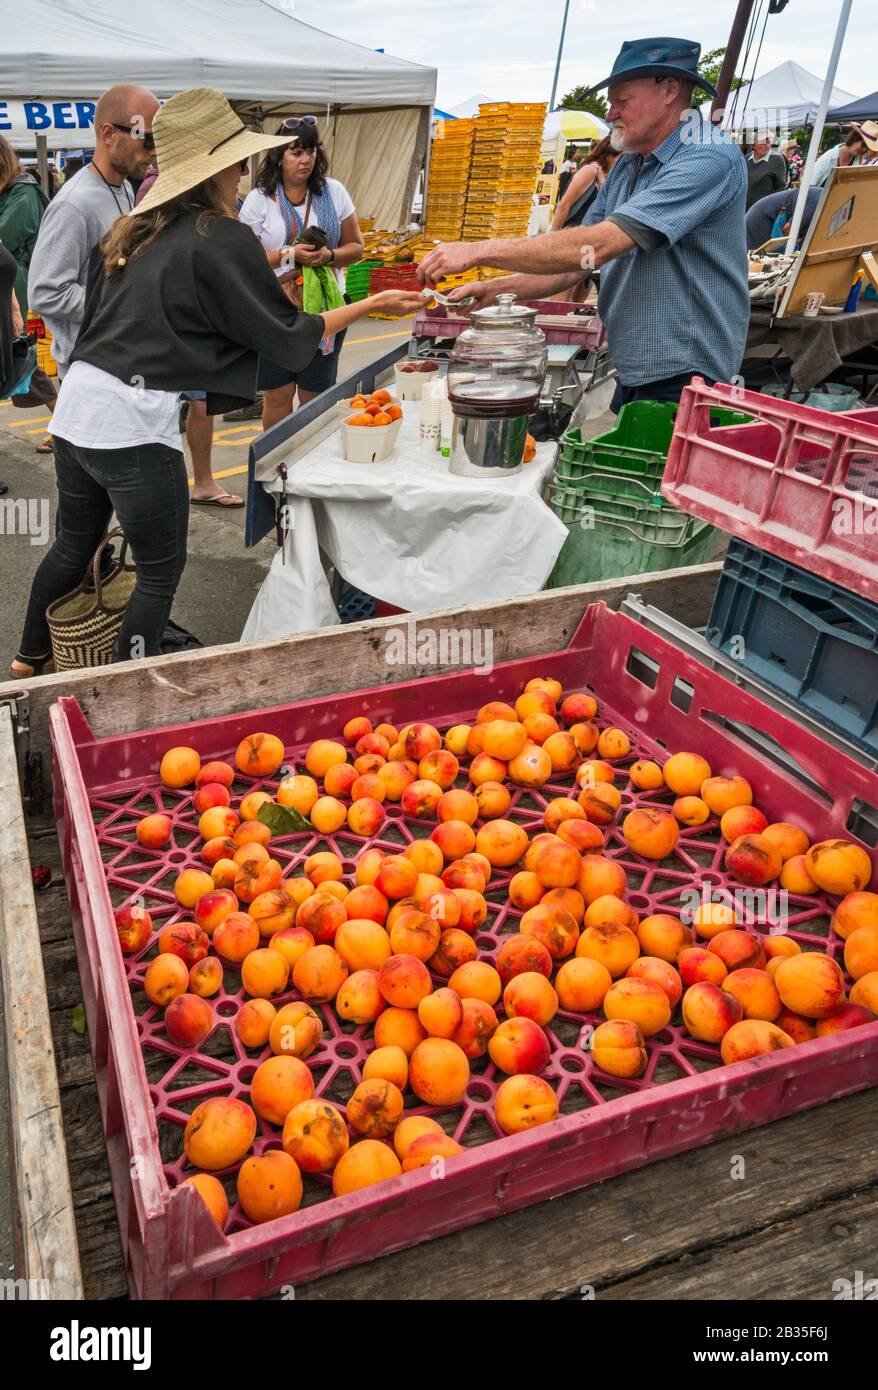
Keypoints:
pixel 74 222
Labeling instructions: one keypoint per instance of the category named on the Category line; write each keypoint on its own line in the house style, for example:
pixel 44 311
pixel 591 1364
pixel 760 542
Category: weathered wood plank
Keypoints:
pixel 241 676
pixel 44 1217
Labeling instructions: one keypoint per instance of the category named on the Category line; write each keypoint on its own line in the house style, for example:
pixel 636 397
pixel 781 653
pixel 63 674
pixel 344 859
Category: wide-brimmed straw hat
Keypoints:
pixel 868 133
pixel 197 134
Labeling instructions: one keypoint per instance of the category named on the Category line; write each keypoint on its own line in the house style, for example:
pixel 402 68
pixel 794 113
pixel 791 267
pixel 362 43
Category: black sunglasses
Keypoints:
pixel 147 136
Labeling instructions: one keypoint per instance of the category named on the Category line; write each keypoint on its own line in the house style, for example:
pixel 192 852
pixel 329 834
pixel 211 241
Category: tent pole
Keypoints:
pixel 558 59
pixel 808 171
pixel 731 56
pixel 426 117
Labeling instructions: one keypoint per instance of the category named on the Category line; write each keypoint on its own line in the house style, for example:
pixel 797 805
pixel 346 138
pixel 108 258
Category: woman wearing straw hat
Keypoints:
pixel 180 297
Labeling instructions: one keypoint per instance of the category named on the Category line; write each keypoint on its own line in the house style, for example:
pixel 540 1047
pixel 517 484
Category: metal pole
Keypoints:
pixel 820 118
pixel 558 60
pixel 731 56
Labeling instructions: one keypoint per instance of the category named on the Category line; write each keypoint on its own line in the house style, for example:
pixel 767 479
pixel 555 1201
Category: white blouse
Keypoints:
pixel 261 212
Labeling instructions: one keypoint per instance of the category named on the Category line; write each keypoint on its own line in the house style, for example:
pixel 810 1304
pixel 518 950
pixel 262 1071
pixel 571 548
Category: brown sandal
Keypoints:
pixel 25 668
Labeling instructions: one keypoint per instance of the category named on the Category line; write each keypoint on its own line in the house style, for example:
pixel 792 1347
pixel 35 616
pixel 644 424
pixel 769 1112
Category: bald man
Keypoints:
pixel 84 209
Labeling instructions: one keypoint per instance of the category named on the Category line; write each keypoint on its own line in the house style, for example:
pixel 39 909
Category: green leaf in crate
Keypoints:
pixel 77 1021
pixel 282 820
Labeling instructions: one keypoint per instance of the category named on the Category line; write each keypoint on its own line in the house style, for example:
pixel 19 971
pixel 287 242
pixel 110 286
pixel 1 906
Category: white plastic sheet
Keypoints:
pixel 406 531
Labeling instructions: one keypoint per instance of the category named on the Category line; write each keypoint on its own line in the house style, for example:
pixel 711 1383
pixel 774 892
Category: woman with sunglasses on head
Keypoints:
pixel 179 298
pixel 293 192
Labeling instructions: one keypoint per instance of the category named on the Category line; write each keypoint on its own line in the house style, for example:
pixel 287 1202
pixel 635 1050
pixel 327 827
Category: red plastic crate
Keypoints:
pixel 665 700
pixel 799 482
pixel 394 277
pixel 573 324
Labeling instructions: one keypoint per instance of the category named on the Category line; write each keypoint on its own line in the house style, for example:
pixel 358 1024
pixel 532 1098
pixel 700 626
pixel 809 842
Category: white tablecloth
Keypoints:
pixel 406 531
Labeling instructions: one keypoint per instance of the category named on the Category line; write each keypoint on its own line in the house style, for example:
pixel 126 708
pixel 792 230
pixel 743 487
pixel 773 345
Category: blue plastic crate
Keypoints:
pixel 812 640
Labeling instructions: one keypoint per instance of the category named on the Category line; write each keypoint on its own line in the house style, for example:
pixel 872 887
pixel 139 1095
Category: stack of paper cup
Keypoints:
pixel 431 417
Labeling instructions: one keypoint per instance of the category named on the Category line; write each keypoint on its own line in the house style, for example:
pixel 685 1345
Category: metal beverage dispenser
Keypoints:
pixel 495 377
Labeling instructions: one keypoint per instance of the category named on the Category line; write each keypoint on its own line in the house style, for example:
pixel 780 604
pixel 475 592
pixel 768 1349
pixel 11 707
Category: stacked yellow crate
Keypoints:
pixel 504 168
pixel 449 173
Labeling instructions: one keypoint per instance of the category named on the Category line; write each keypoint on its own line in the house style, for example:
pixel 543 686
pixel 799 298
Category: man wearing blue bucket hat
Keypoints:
pixel 666 229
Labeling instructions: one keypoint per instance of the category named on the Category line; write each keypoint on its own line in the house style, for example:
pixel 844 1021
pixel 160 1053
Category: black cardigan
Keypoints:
pixel 193 312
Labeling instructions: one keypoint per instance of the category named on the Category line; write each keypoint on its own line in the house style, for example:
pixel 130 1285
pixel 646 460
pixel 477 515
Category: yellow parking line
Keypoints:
pixel 31 420
pixel 225 473
pixel 238 429
pixel 376 337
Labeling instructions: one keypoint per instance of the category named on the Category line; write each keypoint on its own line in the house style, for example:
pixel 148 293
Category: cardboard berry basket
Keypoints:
pixel 665 700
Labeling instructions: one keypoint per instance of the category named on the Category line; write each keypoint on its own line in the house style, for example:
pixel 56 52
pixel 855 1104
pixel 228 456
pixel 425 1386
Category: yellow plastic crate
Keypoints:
pixel 513 108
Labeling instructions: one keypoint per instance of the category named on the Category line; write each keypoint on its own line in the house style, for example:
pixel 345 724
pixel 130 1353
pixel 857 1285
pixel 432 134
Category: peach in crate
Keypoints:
pixel 368 445
pixel 354 404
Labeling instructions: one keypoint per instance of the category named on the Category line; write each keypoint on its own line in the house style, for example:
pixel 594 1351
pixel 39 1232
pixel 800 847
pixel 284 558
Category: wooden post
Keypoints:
pixel 43 163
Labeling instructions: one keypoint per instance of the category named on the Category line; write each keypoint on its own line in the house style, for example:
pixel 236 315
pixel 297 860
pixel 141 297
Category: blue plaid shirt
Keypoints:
pixel 684 305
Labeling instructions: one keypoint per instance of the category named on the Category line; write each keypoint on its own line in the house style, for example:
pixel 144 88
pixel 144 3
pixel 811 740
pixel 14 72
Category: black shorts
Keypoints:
pixel 320 373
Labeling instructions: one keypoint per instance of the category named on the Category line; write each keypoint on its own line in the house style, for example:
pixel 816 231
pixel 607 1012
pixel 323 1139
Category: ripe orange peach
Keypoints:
pixel 426 856
pixel 723 793
pixel 861 952
pixel 554 927
pixel 473 909
pixel 154 832
pixel 685 773
pixel 218 854
pixel 273 912
pixel 640 1001
pixel 319 974
pixel 848 1016
pixel 569 898
pixel 215 772
pixel 248 855
pixel 375 1108
pixel 865 992
pixel 557 865
pixel 611 909
pixel 855 911
pixel 535 846
pixel 421 798
pixel 396 877
pixel 697 965
pixel 259 755
pixel 315 1136
pixel 404 981
pixel 484 768
pixel 416 934
pixel 190 885
pixel 480 862
pixel 595 770
pixel 455 948
pixel 133 926
pixel 365 1163
pixel 646 775
pixel 265 972
pixel 463 874
pixel 412 1128
pixel 441 1013
pixel 456 807
pixel 323 867
pixel 520 954
pixel 752 1038
pixel 613 945
pixel 292 942
pixel 424 1150
pixel 779 946
pixel 364 816
pixel 213 907
pixel 166 978
pixel 373 743
pixel 251 832
pixel 279 1083
pixel 710 918
pixel 367 785
pixel 328 814
pixel 533 702
pixel 235 937
pixel 421 739
pixel 503 738
pixel 440 767
pixel 618 1047
pixel 560 809
pixel 650 832
pixel 811 984
pixel 754 860
pixel 477 980
pixel 387 1064
pixel 186 940
pixel 388 731
pixel 360 1000
pixel 269 1187
pixel 839 867
pixel 530 995
pixel 789 840
pixel 368 864
pixel 439 1072
pixel 562 750
pixel 254 879
pixel 524 1101
pixel 690 810
pixel 709 1012
pixel 456 739
pixel 614 744
pixel 581 984
pixel 552 687
pixel 601 877
pixel 578 707
pixel 664 936
pixel 583 835
pixel 738 950
pixel 356 728
pixel 600 803
pixel 251 805
pixel 742 821
pixel 179 767
pixel 218 1133
pixel 539 727
pixel 323 754
pixel 253 1022
pixel 399 1028
pixel 188 1020
pixel 585 736
pixel 531 767
pixel 396 777
pixel 363 764
pixel 799 1028
pixel 443 906
pixel 362 943
pixel 503 844
pixel 212 1194
pixel 660 973
pixel 478 1025
pixel 756 993
pixel 206 977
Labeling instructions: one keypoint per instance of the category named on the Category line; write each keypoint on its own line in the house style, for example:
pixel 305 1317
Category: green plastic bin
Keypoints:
pixel 357 279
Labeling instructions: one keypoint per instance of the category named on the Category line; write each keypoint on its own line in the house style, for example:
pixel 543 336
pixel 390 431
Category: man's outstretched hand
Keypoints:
pixel 451 258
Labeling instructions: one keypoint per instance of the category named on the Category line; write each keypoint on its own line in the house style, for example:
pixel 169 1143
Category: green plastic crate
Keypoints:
pixel 611 548
pixel 636 447
pixel 357 279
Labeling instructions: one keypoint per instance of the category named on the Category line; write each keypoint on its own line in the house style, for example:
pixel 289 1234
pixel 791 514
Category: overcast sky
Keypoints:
pixel 507 48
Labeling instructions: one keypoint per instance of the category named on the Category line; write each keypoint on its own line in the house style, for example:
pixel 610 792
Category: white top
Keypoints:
pixel 97 411
pixel 261 212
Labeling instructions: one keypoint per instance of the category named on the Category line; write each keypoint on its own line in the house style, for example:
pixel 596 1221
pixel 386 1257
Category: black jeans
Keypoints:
pixel 670 388
pixel 146 486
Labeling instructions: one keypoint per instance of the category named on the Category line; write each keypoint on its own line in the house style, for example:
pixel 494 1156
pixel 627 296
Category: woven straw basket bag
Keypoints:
pixel 84 624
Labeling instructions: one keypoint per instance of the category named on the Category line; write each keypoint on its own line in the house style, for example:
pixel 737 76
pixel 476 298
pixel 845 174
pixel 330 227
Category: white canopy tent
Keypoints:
pixel 57 56
pixel 780 101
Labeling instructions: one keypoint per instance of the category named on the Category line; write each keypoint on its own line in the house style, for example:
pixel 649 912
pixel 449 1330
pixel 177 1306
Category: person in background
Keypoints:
pixel 84 210
pixel 766 170
pixel 11 322
pixel 794 161
pixel 22 204
pixel 585 184
pixel 293 192
pixel 763 216
pixel 568 169
pixel 850 152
